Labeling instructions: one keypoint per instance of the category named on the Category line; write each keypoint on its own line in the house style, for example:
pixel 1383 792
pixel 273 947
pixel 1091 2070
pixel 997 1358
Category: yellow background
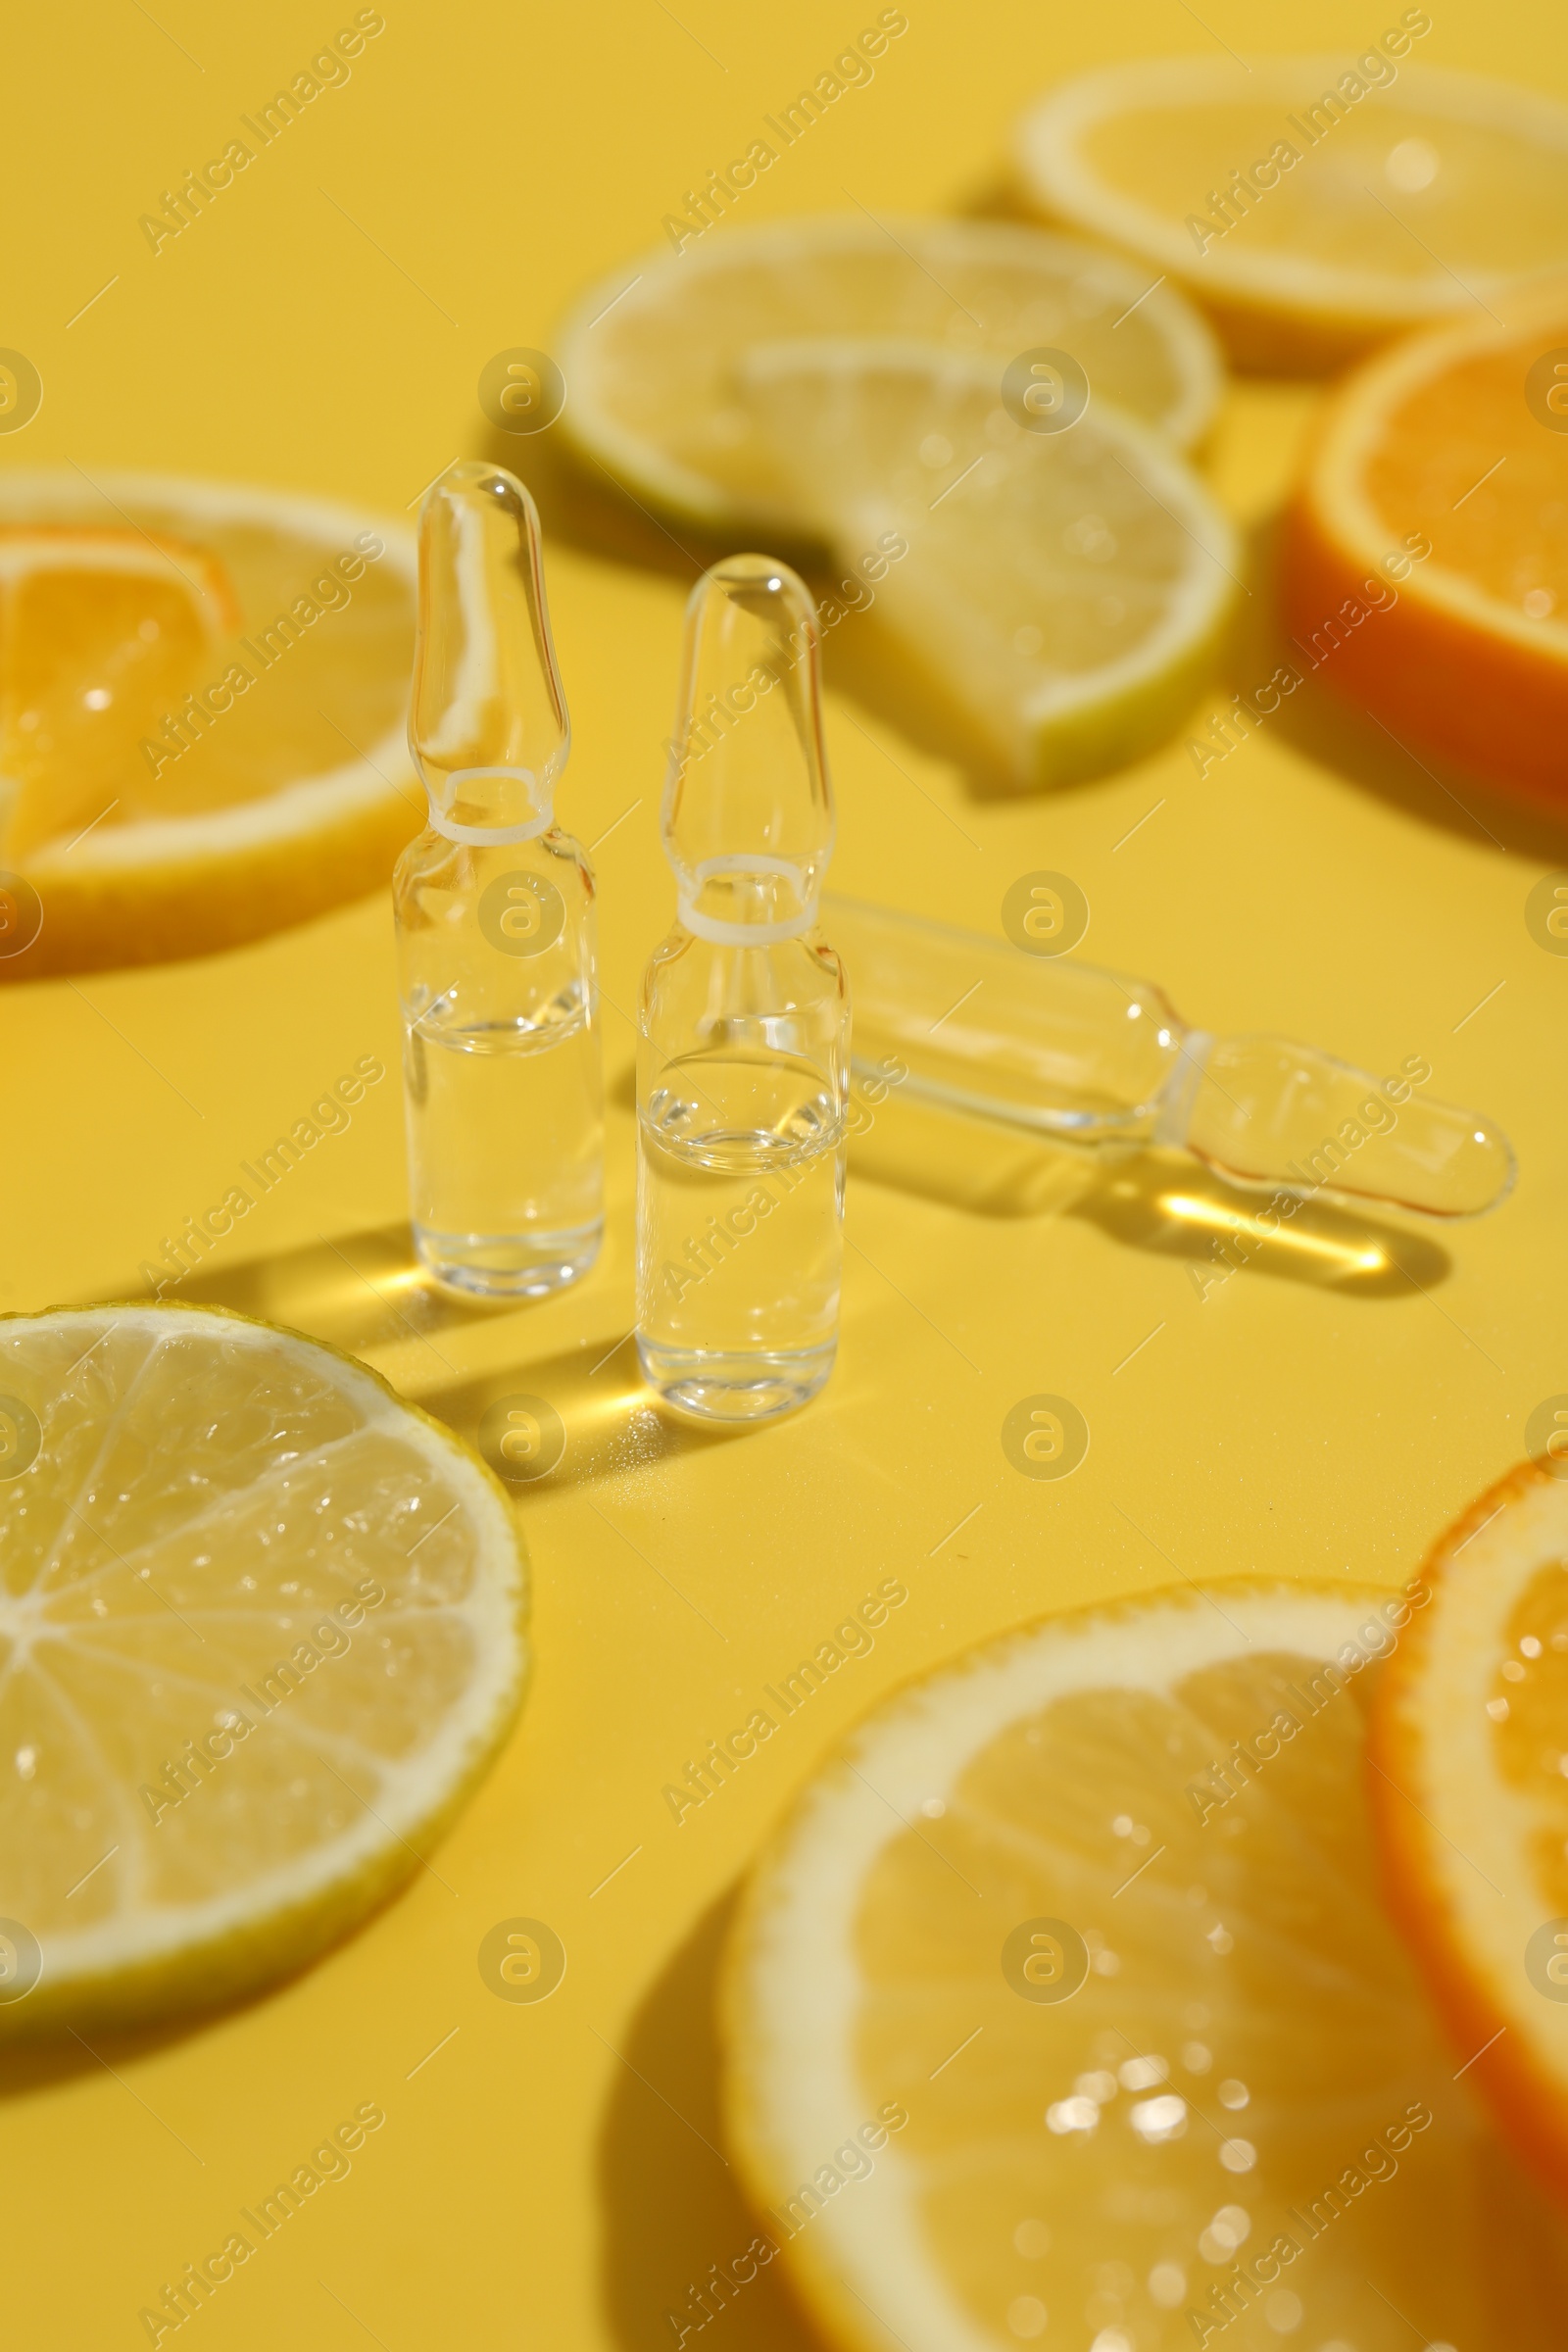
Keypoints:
pixel 552 2174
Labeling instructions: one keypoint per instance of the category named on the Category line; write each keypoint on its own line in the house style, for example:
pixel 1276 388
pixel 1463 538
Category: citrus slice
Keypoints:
pixel 1314 205
pixel 260 1635
pixel 248 770
pixel 1426 571
pixel 1062 2010
pixel 650 357
pixel 101 631
pixel 1470 1797
pixel 1070 589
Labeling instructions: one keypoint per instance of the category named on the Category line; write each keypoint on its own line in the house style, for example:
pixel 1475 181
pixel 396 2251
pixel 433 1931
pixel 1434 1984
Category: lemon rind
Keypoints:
pixel 680 490
pixel 195 1955
pixel 1073 728
pixel 1054 173
pixel 789 2103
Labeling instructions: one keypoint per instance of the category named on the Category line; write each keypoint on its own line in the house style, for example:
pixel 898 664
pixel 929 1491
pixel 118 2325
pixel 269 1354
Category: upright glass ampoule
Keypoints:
pixel 744 1026
pixel 494 910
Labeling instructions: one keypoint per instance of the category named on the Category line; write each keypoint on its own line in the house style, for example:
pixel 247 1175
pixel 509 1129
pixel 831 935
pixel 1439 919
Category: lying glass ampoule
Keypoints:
pixel 494 910
pixel 744 1026
pixel 1093 1060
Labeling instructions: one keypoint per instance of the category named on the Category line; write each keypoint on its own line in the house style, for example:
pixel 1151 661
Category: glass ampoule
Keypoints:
pixel 494 910
pixel 1101 1062
pixel 744 1024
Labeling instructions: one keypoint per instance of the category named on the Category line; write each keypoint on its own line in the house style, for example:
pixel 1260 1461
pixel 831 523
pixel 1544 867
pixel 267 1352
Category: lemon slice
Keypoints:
pixel 259 778
pixel 1392 193
pixel 1070 589
pixel 650 356
pixel 1471 1797
pixel 260 1635
pixel 1038 2032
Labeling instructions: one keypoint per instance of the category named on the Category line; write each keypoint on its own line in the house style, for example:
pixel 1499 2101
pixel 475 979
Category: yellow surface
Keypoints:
pixel 546 2175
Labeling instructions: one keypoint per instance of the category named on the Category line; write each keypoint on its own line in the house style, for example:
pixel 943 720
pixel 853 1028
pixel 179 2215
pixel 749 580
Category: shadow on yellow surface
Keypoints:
pixel 60 2052
pixel 1159 1201
pixel 583 505
pixel 612 1424
pixel 31 2067
pixel 362 1290
pixel 673 2201
pixel 1162 1202
pixel 367 1295
pixel 877 669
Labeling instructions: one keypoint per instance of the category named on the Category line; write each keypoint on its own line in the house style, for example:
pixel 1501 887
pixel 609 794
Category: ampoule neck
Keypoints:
pixel 748 811
pixel 488 728
pixel 746 900
pixel 491 806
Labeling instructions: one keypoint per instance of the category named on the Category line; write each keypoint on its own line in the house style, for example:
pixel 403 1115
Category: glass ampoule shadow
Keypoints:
pixel 610 1421
pixel 367 1293
pixel 1166 1203
pixel 358 1292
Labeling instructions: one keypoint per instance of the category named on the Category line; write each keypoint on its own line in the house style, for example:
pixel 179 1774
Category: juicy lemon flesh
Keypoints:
pixel 664 369
pixel 202 1519
pixel 325 689
pixel 1529 1737
pixel 1466 429
pixel 1389 180
pixel 1035 559
pixel 1249 2030
pixel 89 662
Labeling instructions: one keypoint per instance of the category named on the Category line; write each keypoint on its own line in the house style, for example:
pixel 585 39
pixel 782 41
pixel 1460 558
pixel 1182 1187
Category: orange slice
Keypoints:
pixel 1426 572
pixel 203 691
pixel 1470 1797
pixel 101 631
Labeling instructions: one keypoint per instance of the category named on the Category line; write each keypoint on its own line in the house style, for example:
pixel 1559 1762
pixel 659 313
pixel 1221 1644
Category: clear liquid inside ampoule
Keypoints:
pixel 506 1145
pixel 740 1247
